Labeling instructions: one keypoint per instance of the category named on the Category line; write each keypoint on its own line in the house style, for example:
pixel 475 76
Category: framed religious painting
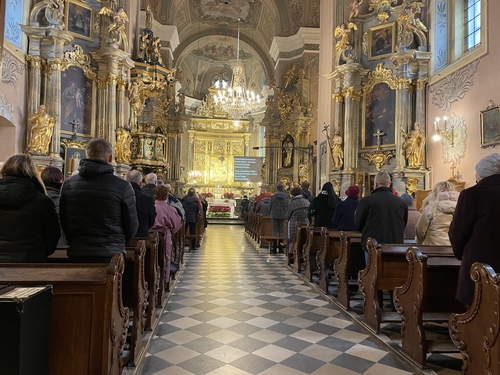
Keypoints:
pixel 490 126
pixel 381 41
pixel 77 103
pixel 79 19
pixel 74 151
pixel 379 117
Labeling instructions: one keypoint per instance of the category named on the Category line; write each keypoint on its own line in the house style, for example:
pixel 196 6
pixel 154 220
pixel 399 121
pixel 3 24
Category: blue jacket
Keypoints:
pixel 343 218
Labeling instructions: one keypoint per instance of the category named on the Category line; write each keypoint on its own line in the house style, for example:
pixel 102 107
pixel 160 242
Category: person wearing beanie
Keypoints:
pixel 413 216
pixel 297 213
pixel 343 218
pixel 473 231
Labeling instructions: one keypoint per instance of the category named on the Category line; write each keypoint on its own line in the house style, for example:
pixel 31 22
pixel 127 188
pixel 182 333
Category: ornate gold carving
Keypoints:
pixel 381 74
pixel 292 75
pixel 41 129
pixel 102 83
pixel 350 92
pixel 34 61
pixel 54 64
pixel 382 17
pixel 336 186
pixel 364 44
pixel 338 97
pixel 71 143
pixel 122 150
pixel 114 21
pixel 381 5
pixel 121 84
pixel 342 33
pixel 408 25
pixel 411 184
pixel 81 60
pixel 378 158
pixel 420 83
pixel 54 13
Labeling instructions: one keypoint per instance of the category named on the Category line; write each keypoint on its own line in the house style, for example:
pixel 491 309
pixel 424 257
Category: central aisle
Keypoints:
pixel 238 311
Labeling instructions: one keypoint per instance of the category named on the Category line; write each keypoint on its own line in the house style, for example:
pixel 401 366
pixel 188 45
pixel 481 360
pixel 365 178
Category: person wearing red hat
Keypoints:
pixel 343 218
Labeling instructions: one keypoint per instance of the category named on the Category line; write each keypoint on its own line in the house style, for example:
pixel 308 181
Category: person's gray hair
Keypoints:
pixel 151 178
pixel 169 187
pixel 100 149
pixel 134 176
pixel 408 199
pixel 160 182
pixel 383 179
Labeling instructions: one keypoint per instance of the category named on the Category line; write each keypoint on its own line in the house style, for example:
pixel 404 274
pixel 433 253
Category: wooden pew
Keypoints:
pixel 475 332
pixel 326 255
pixel 298 246
pixel 265 230
pixel 135 294
pixel 386 269
pixel 152 275
pixel 350 261
pixel 312 246
pixel 162 259
pixel 428 295
pixel 89 322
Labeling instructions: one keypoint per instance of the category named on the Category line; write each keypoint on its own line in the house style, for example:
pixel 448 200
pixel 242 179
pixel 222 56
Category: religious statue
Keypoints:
pixel 149 17
pixel 42 127
pixel 116 25
pixel 181 105
pixel 355 5
pixel 123 140
pixel 414 146
pixel 342 32
pixel 54 13
pixel 287 152
pixel 337 150
pixel 303 172
pixel 154 52
pixel 135 97
pixel 409 24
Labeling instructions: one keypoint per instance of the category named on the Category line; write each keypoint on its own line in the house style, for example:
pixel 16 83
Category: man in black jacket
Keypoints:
pixel 191 209
pixel 146 212
pixel 97 209
pixel 151 179
pixel 382 215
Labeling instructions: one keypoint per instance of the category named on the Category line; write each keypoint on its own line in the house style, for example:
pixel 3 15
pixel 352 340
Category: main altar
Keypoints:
pixel 221 208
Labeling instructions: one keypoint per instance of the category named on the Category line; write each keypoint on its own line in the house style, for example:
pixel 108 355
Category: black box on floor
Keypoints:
pixel 25 329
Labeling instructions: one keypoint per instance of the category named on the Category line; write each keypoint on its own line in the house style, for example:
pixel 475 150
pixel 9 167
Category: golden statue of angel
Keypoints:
pixel 342 32
pixel 116 26
pixel 355 5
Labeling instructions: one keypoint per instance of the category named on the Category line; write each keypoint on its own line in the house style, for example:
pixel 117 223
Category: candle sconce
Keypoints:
pixel 447 132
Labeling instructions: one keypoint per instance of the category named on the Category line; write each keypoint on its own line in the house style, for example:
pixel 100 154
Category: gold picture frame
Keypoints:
pixel 490 126
pixel 79 20
pixel 74 151
pixel 381 41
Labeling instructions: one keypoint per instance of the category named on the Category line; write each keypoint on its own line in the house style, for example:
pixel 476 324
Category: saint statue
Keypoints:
pixel 42 127
pixel 337 150
pixel 123 140
pixel 414 146
pixel 54 13
pixel 149 17
pixel 287 153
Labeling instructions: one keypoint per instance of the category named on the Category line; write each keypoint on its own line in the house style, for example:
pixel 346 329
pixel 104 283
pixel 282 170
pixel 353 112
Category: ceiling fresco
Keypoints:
pixel 233 9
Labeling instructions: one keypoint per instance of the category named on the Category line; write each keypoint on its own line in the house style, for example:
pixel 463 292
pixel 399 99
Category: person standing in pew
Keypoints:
pixel 413 216
pixel 146 212
pixel 191 209
pixel 278 208
pixel 437 212
pixel 297 213
pixel 29 227
pixel 343 218
pixel 323 206
pixel 150 180
pixel 167 219
pixel 97 208
pixel 474 230
pixel 383 216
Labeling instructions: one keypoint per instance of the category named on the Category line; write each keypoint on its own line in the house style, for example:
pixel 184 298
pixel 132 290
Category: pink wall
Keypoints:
pixel 485 87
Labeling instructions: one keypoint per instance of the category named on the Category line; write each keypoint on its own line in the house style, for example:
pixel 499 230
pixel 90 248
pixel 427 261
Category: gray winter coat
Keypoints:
pixel 278 205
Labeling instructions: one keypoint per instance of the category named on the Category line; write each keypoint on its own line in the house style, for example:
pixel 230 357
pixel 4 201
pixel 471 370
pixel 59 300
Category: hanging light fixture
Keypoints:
pixel 235 100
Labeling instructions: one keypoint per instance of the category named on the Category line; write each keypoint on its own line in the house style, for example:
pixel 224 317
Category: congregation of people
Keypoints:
pixel 92 214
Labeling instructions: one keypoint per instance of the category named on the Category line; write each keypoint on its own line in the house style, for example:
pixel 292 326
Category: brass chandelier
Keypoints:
pixel 235 100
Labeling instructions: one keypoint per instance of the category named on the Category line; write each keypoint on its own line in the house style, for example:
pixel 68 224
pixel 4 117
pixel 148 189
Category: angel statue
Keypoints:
pixel 116 25
pixel 54 12
pixel 408 24
pixel 135 97
pixel 342 32
pixel 355 5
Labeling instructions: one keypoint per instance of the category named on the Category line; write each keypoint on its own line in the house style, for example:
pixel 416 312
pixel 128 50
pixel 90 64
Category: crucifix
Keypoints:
pixel 379 134
pixel 453 167
pixel 74 126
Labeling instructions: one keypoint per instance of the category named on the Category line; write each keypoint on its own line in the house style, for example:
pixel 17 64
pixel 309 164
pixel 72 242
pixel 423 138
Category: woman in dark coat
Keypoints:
pixel 323 206
pixel 474 229
pixel 343 218
pixel 29 228
pixel 191 208
pixel 297 213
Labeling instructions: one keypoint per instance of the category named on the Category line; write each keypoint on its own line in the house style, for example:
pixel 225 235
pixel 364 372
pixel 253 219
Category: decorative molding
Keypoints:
pixel 454 86
pixel 81 60
pixel 284 45
pixel 381 5
pixel 381 74
pixel 453 150
pixel 11 68
pixel 6 109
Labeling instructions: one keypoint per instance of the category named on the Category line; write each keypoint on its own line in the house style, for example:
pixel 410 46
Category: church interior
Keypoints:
pixel 303 90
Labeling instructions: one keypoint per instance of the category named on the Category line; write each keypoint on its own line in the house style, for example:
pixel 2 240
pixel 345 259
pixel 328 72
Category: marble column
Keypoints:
pixel 53 102
pixel 121 103
pixel 34 83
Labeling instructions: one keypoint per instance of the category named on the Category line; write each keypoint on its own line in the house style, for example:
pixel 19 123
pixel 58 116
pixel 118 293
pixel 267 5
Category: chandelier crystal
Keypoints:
pixel 235 100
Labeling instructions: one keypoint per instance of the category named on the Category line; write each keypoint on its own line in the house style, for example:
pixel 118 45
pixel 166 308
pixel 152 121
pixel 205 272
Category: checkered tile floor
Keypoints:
pixel 238 311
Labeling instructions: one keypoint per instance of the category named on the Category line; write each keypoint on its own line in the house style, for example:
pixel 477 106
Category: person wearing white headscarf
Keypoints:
pixel 473 231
